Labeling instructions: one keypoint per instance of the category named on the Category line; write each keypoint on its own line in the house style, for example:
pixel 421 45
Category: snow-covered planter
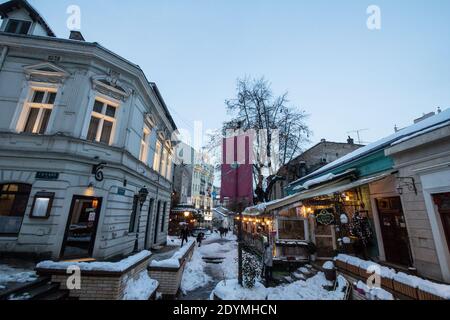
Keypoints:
pixel 104 280
pixel 169 272
pixel 433 291
pixel 407 285
pixel 353 265
pixel 329 271
pixel 341 261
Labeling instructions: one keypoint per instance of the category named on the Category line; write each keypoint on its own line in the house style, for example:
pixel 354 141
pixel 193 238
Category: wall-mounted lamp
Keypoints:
pixel 408 182
pixel 143 193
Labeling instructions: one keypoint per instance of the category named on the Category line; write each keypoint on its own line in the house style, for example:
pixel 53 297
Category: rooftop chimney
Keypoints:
pixel 76 35
pixel 350 140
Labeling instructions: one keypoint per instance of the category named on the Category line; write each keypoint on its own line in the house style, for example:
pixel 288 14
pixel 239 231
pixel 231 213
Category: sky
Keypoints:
pixel 345 76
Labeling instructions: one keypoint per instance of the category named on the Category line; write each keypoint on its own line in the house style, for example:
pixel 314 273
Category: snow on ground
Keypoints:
pixel 311 289
pixel 11 274
pixel 194 276
pixel 227 251
pixel 140 288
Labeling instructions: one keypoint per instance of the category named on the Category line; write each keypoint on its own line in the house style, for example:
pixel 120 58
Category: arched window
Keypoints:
pixel 13 204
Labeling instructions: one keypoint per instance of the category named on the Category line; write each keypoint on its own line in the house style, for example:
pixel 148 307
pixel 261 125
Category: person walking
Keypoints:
pixel 184 235
pixel 268 263
pixel 200 238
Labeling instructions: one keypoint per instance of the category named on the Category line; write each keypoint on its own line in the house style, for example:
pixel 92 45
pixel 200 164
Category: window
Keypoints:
pixel 102 124
pixel 164 163
pixel 169 168
pixel 133 224
pixel 38 110
pixel 13 204
pixel 157 158
pixel 144 144
pixel 18 26
pixel 291 229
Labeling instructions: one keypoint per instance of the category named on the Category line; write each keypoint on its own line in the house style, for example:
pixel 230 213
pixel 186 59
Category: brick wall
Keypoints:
pixel 98 285
pixel 170 278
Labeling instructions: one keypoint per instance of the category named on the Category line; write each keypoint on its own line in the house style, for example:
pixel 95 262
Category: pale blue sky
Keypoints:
pixel 344 75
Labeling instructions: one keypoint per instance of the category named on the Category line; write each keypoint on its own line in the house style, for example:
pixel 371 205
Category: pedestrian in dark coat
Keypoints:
pixel 200 237
pixel 184 235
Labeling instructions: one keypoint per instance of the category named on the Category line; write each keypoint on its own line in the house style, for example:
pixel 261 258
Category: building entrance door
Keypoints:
pixel 81 228
pixel 442 201
pixel 394 231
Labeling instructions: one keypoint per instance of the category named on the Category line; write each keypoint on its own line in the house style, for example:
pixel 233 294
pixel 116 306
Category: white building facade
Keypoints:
pixel 83 137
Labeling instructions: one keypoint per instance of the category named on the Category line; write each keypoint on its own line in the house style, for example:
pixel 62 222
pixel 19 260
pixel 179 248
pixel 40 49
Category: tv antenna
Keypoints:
pixel 358 133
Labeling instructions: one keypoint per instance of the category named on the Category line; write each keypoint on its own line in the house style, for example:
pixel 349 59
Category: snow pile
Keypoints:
pixel 173 241
pixel 120 266
pixel 140 288
pixel 408 280
pixel 373 293
pixel 311 289
pixel 440 290
pixel 329 265
pixel 174 261
pixel 231 290
pixel 11 274
pixel 194 276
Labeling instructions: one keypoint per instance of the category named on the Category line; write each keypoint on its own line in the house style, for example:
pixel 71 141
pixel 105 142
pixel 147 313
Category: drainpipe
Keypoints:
pixel 3 56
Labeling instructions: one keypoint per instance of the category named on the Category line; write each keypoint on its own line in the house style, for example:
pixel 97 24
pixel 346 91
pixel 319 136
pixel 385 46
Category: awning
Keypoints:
pixel 323 190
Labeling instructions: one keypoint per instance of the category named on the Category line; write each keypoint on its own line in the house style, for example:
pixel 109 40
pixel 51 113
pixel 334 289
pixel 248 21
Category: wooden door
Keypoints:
pixel 394 231
pixel 442 201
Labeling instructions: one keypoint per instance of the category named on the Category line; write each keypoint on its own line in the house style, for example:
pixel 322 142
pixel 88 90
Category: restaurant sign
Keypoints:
pixel 325 217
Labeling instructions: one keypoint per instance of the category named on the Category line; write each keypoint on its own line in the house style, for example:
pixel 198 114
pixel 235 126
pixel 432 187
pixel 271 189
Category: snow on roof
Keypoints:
pixel 428 123
pixel 439 126
pixel 120 266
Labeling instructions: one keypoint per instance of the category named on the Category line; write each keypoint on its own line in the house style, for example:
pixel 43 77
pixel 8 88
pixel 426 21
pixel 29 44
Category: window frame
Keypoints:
pixel 29 105
pixel 21 23
pixel 157 156
pixel 102 117
pixel 43 195
pixel 145 144
pixel 9 235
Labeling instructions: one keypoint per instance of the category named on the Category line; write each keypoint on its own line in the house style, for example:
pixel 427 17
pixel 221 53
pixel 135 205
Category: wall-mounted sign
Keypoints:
pixel 42 175
pixel 325 217
pixel 121 191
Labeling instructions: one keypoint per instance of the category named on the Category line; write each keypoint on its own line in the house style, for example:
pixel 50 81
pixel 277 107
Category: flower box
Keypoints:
pixel 406 285
pixel 428 290
pixel 423 295
pixel 341 262
pixel 406 290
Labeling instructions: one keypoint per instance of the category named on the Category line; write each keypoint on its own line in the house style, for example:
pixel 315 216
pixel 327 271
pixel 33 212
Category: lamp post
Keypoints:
pixel 143 193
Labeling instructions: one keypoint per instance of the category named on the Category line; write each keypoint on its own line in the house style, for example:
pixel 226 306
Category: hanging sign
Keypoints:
pixel 325 217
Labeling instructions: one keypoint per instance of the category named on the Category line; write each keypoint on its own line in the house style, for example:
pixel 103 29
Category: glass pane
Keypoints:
pixel 13 203
pixel 24 27
pixel 38 96
pixel 111 111
pixel 51 97
pixel 45 116
pixel 40 207
pixel 291 229
pixel 93 127
pixel 106 132
pixel 98 106
pixel 31 121
pixel 12 26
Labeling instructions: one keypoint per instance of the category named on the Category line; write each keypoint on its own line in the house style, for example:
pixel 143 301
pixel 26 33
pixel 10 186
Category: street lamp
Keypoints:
pixel 142 195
